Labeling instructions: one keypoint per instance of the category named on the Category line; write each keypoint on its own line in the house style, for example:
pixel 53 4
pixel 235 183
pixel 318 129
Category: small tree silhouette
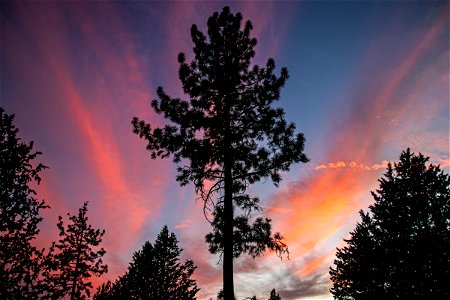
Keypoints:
pixel 20 261
pixel 154 273
pixel 401 248
pixel 274 295
pixel 74 261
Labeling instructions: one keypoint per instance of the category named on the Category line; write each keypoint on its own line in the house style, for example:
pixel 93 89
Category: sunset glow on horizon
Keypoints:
pixel 367 80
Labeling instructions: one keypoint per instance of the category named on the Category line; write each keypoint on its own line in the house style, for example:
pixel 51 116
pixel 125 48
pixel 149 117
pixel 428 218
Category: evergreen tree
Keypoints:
pixel 20 261
pixel 274 295
pixel 113 291
pixel 401 248
pixel 154 273
pixel 104 292
pixel 73 260
pixel 227 136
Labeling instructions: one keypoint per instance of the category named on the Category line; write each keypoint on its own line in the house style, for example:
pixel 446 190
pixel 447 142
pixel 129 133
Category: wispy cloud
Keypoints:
pixel 184 224
pixel 352 164
pixel 94 88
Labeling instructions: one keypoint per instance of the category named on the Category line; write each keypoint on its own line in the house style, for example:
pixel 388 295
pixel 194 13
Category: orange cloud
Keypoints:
pixel 311 266
pixel 332 165
pixel 319 206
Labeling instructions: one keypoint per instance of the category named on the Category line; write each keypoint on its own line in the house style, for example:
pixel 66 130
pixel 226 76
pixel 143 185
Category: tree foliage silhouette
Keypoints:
pixel 274 295
pixel 227 136
pixel 401 248
pixel 154 273
pixel 20 261
pixel 75 258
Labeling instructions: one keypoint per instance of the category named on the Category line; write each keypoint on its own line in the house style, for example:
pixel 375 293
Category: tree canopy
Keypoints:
pixel 227 135
pixel 20 261
pixel 400 249
pixel 154 273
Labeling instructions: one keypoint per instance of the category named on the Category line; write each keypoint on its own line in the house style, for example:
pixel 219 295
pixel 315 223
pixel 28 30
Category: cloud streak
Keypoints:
pixel 352 164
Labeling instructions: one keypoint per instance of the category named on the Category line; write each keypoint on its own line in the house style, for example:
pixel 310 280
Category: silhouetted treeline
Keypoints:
pixel 25 271
pixel 401 248
pixel 20 261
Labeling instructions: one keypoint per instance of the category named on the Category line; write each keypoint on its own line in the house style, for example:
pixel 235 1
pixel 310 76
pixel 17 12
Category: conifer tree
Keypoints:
pixel 154 273
pixel 75 258
pixel 227 136
pixel 400 249
pixel 274 295
pixel 20 261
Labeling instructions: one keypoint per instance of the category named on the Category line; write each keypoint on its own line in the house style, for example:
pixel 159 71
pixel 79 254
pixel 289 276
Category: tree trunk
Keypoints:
pixel 228 284
pixel 75 281
pixel 75 275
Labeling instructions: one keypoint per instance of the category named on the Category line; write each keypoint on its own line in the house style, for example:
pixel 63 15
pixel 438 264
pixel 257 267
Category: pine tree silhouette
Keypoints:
pixel 75 258
pixel 154 273
pixel 227 136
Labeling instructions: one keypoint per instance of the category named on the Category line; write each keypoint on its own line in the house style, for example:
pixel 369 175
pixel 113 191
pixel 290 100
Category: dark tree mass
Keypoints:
pixel 227 136
pixel 401 248
pixel 274 295
pixel 20 261
pixel 154 273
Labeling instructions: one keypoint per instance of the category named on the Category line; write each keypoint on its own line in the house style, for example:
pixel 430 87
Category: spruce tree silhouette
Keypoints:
pixel 73 260
pixel 227 136
pixel 20 261
pixel 400 249
pixel 155 273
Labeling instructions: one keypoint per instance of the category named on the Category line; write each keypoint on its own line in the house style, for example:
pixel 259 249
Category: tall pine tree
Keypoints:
pixel 75 258
pixel 154 273
pixel 20 261
pixel 401 248
pixel 227 136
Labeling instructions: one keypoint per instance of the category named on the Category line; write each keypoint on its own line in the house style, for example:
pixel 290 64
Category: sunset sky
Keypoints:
pixel 367 80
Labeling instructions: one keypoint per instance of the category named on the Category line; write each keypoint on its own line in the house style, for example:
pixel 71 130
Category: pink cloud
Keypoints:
pixel 184 224
pixel 352 164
